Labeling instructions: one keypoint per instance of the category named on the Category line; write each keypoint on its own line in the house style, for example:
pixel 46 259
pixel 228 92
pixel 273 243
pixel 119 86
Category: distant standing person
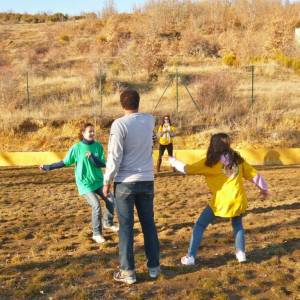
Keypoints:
pixel 88 157
pixel 130 167
pixel 166 134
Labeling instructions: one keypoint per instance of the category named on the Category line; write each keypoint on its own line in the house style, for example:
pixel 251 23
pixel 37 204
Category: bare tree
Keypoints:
pixel 108 9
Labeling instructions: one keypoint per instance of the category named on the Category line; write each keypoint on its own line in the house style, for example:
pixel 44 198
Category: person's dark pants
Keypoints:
pixel 162 149
pixel 141 195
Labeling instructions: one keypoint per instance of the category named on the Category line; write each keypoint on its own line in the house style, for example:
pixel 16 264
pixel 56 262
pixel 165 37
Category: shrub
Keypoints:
pixel 195 44
pixel 58 17
pixel 41 49
pixel 216 89
pixel 65 38
pixel 230 59
pixel 288 62
pixel 101 38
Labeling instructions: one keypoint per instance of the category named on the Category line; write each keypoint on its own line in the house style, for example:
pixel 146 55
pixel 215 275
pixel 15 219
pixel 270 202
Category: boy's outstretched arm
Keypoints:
pixel 57 165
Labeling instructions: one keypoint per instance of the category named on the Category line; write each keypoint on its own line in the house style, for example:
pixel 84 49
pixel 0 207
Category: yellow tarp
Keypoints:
pixel 261 156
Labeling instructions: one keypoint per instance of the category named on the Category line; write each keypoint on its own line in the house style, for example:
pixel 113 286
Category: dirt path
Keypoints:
pixel 46 251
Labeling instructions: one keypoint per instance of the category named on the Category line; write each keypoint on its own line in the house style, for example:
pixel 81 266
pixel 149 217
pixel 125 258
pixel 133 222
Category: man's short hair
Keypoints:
pixel 130 99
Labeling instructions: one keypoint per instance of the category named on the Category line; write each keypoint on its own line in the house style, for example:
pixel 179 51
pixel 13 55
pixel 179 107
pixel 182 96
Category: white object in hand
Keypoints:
pixel 177 164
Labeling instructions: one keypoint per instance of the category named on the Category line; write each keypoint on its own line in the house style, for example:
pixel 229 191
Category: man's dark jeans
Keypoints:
pixel 141 195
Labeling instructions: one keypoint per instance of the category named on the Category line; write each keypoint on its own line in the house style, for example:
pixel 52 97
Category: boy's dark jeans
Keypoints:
pixel 139 194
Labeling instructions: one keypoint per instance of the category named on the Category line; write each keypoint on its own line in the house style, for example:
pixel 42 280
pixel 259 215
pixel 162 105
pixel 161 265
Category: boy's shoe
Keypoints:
pixel 113 228
pixel 241 256
pixel 188 260
pixel 127 277
pixel 154 272
pixel 99 239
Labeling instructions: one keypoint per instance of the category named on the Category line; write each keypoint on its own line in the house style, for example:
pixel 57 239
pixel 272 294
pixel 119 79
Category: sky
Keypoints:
pixel 71 7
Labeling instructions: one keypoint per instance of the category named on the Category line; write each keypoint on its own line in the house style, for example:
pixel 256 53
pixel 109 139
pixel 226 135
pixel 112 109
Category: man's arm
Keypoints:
pixel 115 155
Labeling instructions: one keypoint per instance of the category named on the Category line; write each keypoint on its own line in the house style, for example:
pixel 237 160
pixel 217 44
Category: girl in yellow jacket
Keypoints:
pixel 166 134
pixel 224 170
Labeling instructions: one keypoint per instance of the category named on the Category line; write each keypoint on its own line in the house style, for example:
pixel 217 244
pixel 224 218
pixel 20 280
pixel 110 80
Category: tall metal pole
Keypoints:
pixel 101 96
pixel 177 92
pixel 252 85
pixel 27 89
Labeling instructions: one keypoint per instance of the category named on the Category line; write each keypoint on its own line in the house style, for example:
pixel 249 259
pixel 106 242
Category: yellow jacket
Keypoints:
pixel 229 197
pixel 166 136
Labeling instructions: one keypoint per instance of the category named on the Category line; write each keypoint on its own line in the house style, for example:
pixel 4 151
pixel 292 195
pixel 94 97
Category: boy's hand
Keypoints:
pixel 263 194
pixel 88 154
pixel 41 168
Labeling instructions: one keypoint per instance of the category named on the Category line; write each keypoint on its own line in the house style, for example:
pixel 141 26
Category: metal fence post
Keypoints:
pixel 27 89
pixel 101 95
pixel 252 85
pixel 177 92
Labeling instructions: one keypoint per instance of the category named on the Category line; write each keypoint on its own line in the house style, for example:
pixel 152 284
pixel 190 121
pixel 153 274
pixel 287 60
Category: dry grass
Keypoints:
pixel 46 251
pixel 141 50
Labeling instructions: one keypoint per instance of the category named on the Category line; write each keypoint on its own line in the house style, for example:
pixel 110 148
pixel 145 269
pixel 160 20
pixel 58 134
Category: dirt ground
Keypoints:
pixel 46 251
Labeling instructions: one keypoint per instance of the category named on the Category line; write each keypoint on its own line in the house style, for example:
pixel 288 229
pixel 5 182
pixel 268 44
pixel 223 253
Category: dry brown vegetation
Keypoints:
pixel 209 42
pixel 46 250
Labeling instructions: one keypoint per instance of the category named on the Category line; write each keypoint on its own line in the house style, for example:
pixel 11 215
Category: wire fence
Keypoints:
pixel 184 91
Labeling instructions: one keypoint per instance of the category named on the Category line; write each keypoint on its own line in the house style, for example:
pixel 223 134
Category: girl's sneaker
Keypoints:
pixel 128 277
pixel 113 228
pixel 188 260
pixel 99 239
pixel 241 256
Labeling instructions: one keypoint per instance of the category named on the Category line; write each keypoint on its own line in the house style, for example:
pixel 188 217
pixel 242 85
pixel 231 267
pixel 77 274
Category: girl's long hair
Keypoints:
pixel 220 145
pixel 163 120
pixel 83 127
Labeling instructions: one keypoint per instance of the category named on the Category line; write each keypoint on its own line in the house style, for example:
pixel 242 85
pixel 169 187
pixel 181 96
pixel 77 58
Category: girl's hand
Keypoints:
pixel 88 154
pixel 41 167
pixel 172 161
pixel 263 194
pixel 106 190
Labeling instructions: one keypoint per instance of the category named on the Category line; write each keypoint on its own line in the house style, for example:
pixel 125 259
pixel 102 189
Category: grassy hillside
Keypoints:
pixel 211 43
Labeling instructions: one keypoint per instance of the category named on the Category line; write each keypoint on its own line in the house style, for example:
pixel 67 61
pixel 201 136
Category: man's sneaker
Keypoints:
pixel 99 239
pixel 188 260
pixel 128 277
pixel 113 228
pixel 154 272
pixel 241 256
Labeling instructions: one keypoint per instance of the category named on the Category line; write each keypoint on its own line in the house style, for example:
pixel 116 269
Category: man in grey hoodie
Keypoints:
pixel 130 167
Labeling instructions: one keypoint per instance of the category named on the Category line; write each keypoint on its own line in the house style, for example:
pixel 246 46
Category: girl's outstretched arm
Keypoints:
pixel 252 175
pixel 190 169
pixel 57 165
pixel 67 162
pixel 97 162
pixel 178 165
pixel 260 182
